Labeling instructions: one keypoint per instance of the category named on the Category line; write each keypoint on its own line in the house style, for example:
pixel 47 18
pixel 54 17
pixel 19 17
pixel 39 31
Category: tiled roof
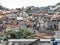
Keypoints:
pixel 56 17
pixel 41 35
pixel 10 26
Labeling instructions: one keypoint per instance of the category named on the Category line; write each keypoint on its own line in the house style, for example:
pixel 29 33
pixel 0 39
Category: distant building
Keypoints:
pixel 56 8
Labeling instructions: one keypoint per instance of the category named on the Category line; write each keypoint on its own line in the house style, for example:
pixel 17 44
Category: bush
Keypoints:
pixel 19 34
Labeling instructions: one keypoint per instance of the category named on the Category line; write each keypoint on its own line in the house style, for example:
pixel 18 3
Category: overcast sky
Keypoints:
pixel 23 3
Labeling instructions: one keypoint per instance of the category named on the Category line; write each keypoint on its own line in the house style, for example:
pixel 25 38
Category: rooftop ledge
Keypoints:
pixel 22 40
pixel 18 40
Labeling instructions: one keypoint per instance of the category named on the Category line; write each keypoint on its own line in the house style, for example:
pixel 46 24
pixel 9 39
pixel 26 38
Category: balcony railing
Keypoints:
pixel 30 42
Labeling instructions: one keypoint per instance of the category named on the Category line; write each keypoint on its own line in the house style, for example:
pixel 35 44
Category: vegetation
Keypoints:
pixel 1 7
pixel 19 34
pixel 28 10
pixel 20 8
pixel 31 9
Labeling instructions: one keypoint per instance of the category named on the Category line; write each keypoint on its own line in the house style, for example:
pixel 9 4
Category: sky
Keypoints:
pixel 24 3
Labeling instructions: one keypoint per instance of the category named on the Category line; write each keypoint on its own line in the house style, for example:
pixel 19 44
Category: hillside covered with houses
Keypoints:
pixel 31 19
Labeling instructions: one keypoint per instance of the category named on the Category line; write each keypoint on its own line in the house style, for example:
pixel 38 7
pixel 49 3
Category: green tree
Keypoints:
pixel 28 10
pixel 18 34
pixel 1 7
pixel 26 34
